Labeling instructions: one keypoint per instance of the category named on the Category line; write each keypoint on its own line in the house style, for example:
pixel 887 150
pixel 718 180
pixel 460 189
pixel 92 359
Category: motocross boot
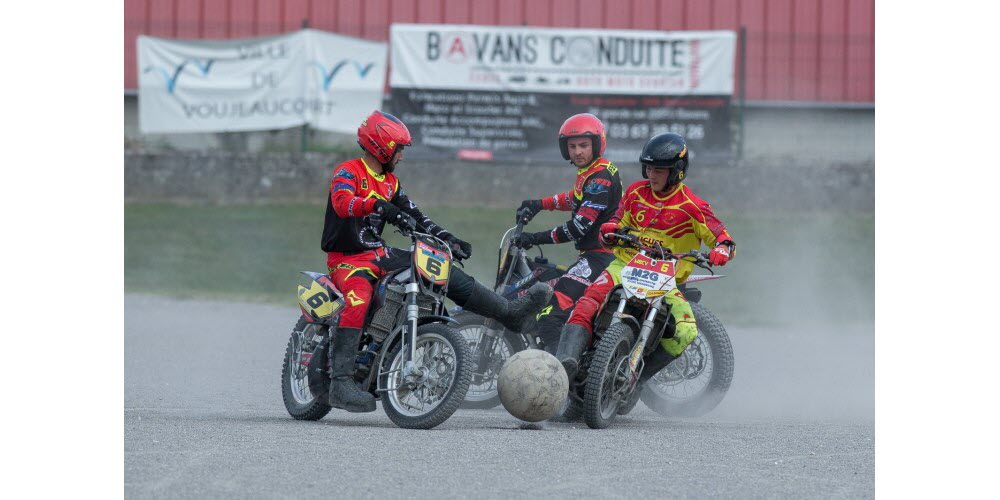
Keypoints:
pixel 344 391
pixel 656 361
pixel 573 341
pixel 510 313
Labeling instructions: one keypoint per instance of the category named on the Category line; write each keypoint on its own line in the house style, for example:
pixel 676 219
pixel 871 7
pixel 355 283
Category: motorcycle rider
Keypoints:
pixel 364 195
pixel 661 209
pixel 593 201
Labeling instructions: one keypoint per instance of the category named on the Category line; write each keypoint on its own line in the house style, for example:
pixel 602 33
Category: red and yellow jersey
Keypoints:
pixel 678 220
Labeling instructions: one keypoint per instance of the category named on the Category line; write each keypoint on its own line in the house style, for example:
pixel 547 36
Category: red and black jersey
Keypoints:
pixel 350 208
pixel 593 201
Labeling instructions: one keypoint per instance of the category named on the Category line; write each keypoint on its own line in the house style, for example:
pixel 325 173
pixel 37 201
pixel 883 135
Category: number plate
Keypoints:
pixel 318 301
pixel 644 277
pixel 432 263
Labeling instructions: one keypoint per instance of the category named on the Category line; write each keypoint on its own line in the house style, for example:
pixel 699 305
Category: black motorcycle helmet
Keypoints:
pixel 667 150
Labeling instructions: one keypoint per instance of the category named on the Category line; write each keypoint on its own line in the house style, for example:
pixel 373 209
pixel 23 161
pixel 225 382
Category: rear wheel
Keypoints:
pixel 301 401
pixel 487 357
pixel 695 383
pixel 434 391
pixel 608 377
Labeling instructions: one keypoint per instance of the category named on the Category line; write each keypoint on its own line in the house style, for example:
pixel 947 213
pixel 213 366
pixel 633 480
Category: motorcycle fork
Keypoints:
pixel 486 346
pixel 616 317
pixel 640 345
pixel 409 349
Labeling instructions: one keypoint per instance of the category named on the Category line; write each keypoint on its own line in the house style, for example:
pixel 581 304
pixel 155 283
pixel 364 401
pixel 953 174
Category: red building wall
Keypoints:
pixel 796 50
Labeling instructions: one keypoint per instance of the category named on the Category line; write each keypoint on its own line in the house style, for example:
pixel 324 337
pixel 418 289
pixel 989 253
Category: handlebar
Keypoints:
pixel 695 257
pixel 407 226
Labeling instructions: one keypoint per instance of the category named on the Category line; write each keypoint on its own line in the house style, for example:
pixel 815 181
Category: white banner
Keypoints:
pixel 328 81
pixel 562 60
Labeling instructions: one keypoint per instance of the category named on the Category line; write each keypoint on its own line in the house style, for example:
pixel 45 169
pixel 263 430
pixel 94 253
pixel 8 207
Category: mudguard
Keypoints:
pixel 703 277
pixel 434 318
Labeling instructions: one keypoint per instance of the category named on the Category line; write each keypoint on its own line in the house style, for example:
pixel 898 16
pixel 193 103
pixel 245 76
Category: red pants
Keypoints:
pixel 593 297
pixel 353 275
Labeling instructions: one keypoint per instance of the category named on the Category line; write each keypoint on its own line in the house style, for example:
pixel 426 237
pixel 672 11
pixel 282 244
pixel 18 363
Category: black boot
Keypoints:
pixel 655 362
pixel 550 339
pixel 344 391
pixel 510 313
pixel 572 342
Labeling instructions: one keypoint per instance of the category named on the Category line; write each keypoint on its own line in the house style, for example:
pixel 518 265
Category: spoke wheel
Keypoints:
pixel 483 393
pixel 431 394
pixel 299 399
pixel 696 382
pixel 607 378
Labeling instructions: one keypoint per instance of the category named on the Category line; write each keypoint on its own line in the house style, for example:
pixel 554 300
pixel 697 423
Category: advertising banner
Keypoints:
pixel 502 92
pixel 328 81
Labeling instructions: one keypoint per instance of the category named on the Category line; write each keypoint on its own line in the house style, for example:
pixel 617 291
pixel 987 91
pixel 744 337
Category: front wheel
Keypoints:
pixel 300 400
pixel 432 393
pixel 608 377
pixel 488 355
pixel 695 383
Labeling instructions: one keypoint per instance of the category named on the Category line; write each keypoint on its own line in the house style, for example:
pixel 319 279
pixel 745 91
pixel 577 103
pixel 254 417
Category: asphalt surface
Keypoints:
pixel 204 419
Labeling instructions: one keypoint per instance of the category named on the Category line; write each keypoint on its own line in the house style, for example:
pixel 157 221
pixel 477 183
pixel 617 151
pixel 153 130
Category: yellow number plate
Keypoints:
pixel 316 301
pixel 432 264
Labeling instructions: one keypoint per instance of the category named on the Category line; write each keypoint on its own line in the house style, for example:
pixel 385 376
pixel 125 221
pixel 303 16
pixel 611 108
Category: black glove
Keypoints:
pixel 533 206
pixel 526 241
pixel 389 212
pixel 460 249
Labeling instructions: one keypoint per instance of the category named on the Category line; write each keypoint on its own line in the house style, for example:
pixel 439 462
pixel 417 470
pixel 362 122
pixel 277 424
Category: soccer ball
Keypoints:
pixel 532 385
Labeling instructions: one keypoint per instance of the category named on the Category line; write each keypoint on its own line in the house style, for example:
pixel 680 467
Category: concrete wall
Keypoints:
pixel 774 135
pixel 809 136
pixel 223 177
pixel 794 159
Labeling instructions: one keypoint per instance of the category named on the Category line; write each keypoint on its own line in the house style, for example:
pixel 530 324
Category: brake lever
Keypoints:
pixel 407 221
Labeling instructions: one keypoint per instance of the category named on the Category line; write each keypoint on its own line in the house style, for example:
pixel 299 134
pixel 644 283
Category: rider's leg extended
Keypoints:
pixel 567 290
pixel 685 332
pixel 476 298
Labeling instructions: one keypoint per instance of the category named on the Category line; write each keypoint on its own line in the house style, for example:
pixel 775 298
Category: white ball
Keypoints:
pixel 533 385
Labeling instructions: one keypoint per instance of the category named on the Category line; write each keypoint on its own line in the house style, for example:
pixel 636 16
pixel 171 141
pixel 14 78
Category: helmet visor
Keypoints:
pixel 658 168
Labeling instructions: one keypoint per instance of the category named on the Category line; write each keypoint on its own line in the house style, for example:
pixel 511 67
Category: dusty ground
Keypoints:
pixel 204 418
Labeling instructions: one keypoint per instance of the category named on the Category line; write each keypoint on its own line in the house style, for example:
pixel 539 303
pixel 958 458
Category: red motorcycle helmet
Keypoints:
pixel 382 135
pixel 583 125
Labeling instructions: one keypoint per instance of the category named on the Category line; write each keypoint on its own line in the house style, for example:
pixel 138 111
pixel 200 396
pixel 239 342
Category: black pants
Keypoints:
pixel 566 291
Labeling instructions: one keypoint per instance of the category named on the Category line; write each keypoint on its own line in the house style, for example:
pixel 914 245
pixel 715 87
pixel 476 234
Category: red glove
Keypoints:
pixel 608 228
pixel 720 255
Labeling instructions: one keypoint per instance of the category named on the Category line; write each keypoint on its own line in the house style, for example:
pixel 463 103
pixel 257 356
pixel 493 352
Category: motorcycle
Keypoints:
pixel 630 325
pixel 489 342
pixel 410 358
pixel 692 385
